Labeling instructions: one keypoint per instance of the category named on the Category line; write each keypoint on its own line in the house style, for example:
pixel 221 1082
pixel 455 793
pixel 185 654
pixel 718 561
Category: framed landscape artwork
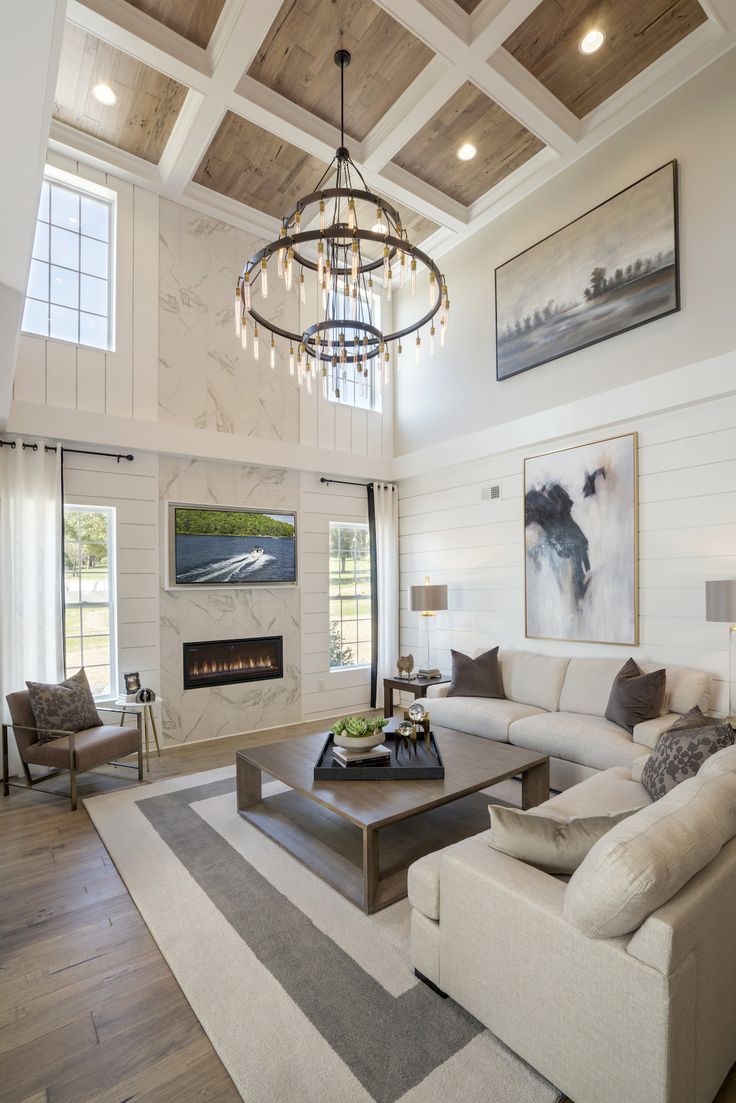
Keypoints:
pixel 610 270
pixel 215 546
pixel 581 543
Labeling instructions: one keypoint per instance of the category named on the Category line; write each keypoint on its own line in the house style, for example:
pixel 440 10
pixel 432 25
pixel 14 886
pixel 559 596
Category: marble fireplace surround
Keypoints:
pixel 226 614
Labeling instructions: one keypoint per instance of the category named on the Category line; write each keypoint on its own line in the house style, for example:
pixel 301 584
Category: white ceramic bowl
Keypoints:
pixel 362 743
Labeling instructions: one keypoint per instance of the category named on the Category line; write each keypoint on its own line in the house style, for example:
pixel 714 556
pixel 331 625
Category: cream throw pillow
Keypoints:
pixel 550 843
pixel 642 863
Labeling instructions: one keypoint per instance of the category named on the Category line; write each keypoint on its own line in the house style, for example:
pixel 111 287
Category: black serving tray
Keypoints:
pixel 416 764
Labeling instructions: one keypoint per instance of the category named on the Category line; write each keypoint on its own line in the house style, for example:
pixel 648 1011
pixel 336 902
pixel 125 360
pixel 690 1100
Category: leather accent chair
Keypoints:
pixel 76 752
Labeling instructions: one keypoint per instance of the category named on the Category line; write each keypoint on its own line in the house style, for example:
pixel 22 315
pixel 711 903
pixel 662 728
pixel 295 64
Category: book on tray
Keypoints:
pixel 374 756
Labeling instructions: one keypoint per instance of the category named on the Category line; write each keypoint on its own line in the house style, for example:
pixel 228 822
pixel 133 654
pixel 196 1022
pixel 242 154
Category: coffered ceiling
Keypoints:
pixel 232 106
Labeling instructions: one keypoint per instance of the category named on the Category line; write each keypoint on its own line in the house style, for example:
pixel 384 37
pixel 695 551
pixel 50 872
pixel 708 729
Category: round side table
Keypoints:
pixel 145 708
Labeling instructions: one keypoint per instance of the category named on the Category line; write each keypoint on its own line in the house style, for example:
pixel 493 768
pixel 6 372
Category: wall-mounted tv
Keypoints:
pixel 211 546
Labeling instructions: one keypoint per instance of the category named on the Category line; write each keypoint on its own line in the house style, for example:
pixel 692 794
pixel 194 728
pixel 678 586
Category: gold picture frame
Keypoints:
pixel 586 597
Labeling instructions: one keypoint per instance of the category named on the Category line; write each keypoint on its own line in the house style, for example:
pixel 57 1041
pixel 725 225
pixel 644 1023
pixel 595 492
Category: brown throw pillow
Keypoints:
pixel 635 697
pixel 67 707
pixel 554 845
pixel 479 677
pixel 682 750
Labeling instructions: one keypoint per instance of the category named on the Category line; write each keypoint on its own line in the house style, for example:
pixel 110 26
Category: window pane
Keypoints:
pixel 93 330
pixel 43 206
pixel 95 218
pixel 73 654
pixel 93 295
pixel 94 257
pixel 38 280
pixel 41 242
pixel 64 287
pixel 349 613
pixel 64 248
pixel 98 678
pixel 65 208
pixel 96 650
pixel 36 317
pixel 96 620
pixel 64 323
pixel 88 616
pixel 72 620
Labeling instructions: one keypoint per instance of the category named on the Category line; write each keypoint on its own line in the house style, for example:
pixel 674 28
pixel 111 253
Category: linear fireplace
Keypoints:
pixel 223 662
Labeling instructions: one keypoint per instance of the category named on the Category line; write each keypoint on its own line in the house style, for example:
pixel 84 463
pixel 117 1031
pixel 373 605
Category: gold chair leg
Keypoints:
pixel 147 739
pixel 6 763
pixel 140 748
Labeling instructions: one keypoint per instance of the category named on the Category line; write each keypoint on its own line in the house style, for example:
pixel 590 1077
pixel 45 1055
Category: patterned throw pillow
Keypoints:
pixel 682 750
pixel 67 707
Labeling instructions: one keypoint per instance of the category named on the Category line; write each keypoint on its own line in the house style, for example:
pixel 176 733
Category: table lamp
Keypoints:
pixel 720 605
pixel 428 600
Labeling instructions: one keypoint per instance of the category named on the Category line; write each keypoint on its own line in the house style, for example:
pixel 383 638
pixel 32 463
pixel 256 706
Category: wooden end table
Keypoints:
pixel 333 827
pixel 417 686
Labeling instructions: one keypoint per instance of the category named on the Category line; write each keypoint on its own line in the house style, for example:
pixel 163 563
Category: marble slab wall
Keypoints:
pixel 205 379
pixel 188 615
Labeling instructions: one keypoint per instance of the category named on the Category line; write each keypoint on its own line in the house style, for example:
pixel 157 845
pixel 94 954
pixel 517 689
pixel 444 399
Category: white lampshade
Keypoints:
pixel 427 598
pixel 720 601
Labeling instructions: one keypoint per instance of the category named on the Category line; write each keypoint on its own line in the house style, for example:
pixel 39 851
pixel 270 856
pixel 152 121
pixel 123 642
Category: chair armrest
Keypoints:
pixel 437 691
pixel 649 731
pixel 117 709
pixel 49 731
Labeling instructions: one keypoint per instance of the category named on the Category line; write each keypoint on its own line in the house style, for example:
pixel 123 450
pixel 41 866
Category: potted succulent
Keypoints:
pixel 358 732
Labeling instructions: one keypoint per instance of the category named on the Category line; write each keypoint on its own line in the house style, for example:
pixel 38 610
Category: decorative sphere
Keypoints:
pixel 405 729
pixel 417 712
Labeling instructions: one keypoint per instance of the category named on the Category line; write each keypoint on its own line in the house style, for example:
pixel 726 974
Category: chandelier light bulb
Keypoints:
pixel 386 263
pixel 272 353
pixel 388 287
pixel 320 260
pixel 246 289
pixel 289 269
pixel 256 343
pixel 264 277
pixel 321 216
pixel 244 334
pixel 399 354
pixel 354 262
pixel 280 256
pixel 351 214
pixel 302 289
pixel 402 269
pixel 431 340
pixel 413 275
pixel 386 369
pixel 309 381
pixel 379 228
pixel 291 358
pixel 442 334
pixel 238 311
pixel 417 350
pixel 432 288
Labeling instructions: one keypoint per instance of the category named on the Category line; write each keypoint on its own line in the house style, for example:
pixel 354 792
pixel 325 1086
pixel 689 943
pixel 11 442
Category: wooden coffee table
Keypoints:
pixel 332 827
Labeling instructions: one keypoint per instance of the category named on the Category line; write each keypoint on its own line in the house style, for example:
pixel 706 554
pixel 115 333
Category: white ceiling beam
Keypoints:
pixel 144 38
pixel 514 89
pixel 286 120
pixel 98 154
pixel 494 20
pixel 434 86
pixel 395 182
pixel 722 12
pixel 212 203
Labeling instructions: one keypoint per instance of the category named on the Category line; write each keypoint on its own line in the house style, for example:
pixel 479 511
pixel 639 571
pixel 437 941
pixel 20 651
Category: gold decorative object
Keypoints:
pixel 405 665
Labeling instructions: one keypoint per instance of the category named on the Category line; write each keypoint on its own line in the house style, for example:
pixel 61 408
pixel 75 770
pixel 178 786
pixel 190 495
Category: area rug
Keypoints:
pixel 302 995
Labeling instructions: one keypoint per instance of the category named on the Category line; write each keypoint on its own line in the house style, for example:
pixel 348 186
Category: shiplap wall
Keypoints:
pixel 121 382
pixel 687 525
pixel 325 692
pixel 132 488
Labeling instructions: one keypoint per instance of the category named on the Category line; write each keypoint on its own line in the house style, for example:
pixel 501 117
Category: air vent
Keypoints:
pixel 488 493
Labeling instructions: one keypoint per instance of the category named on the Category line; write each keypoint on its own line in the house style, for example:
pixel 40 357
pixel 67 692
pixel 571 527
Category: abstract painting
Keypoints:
pixel 610 270
pixel 581 556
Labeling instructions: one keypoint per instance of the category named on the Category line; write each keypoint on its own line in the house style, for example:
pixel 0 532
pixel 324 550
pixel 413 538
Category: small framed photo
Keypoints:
pixel 132 682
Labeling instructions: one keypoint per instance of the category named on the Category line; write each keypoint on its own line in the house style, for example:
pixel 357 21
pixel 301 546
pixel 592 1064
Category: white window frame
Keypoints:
pixel 112 602
pixel 351 525
pixel 375 403
pixel 60 179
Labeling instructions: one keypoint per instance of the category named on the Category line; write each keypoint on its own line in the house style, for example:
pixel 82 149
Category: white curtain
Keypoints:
pixel 30 570
pixel 386 505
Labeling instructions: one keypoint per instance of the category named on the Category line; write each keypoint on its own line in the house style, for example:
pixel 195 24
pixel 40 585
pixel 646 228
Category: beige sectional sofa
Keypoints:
pixel 556 705
pixel 646 1014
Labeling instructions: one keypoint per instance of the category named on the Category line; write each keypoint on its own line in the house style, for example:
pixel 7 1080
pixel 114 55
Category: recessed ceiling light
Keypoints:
pixel 105 94
pixel 591 42
pixel 466 152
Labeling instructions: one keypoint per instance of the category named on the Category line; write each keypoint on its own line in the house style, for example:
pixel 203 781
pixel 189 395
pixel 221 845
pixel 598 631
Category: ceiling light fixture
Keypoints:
pixel 105 94
pixel 345 335
pixel 591 42
pixel 466 152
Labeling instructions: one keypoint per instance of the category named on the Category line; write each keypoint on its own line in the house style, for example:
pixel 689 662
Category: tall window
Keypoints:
pixel 350 595
pixel 89 595
pixel 69 293
pixel 356 389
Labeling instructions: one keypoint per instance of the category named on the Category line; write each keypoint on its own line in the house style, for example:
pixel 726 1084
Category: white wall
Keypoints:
pixel 687 521
pixel 456 393
pixel 325 692
pixel 121 383
pixel 132 489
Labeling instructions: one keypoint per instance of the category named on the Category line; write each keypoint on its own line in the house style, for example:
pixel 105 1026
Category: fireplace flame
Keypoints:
pixel 205 668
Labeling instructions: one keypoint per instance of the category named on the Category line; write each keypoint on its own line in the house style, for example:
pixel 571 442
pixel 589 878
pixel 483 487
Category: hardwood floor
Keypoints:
pixel 89 1010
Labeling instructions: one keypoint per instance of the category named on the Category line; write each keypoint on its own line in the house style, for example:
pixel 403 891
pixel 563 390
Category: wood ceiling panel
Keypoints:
pixel 147 102
pixel 416 225
pixel 503 145
pixel 468 6
pixel 637 33
pixel 256 168
pixel 296 59
pixel 193 19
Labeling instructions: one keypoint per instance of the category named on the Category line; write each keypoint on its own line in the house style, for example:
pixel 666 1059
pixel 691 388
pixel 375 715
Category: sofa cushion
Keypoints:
pixel 587 685
pixel 637 767
pixel 682 750
pixel 556 846
pixel 649 731
pixel 685 688
pixel 643 861
pixel 533 679
pixel 722 762
pixel 635 696
pixel 480 677
pixel 68 706
pixel 484 716
pixel 589 740
pixel 423 880
pixel 92 747
pixel 608 791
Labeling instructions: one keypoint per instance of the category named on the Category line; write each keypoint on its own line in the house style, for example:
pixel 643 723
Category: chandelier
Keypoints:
pixel 344 341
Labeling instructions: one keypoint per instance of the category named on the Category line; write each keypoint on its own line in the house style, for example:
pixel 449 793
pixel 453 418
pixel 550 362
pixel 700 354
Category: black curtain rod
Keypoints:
pixel 118 456
pixel 347 482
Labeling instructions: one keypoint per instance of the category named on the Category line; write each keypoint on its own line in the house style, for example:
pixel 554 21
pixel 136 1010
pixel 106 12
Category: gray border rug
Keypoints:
pixel 302 995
